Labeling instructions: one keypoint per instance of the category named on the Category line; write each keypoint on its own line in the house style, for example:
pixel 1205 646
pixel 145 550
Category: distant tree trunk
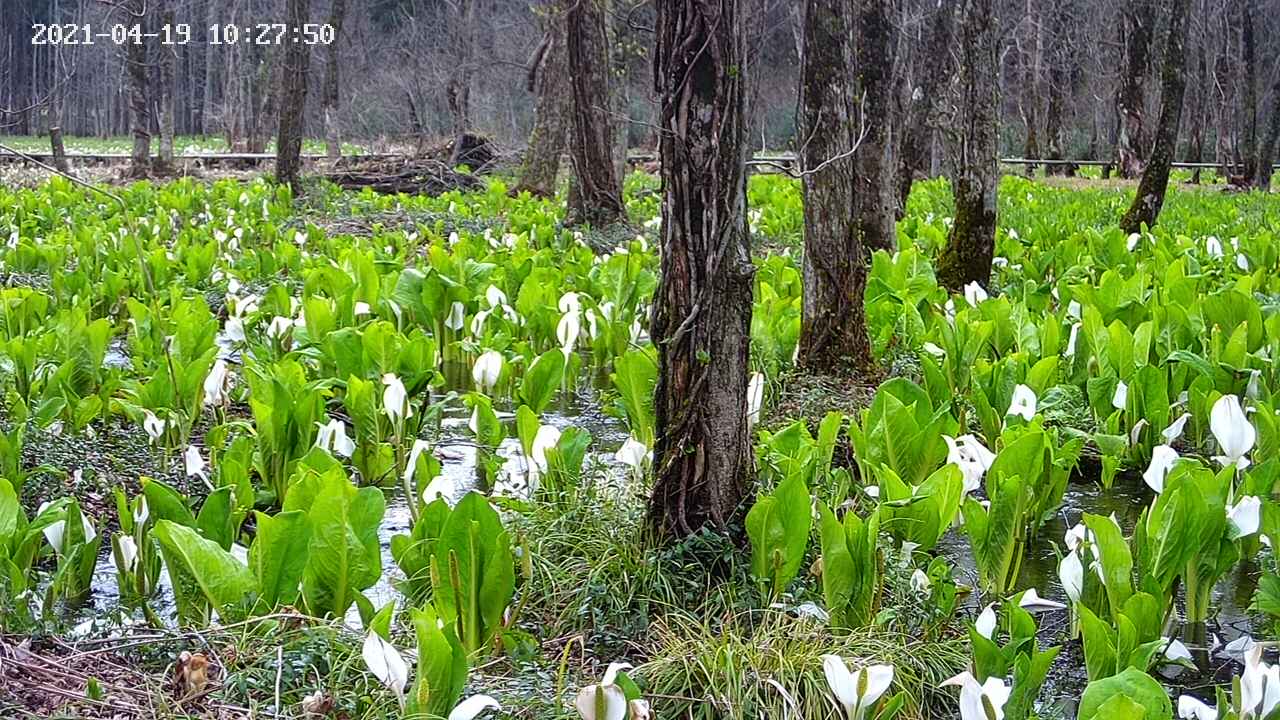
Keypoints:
pixel 1267 148
pixel 873 184
pixel 458 90
pixel 1061 65
pixel 833 331
pixel 332 139
pixel 917 135
pixel 293 94
pixel 599 190
pixel 973 131
pixel 1155 177
pixel 58 149
pixel 139 105
pixel 702 308
pixel 549 80
pixel 166 58
pixel 1249 101
pixel 1139 19
pixel 619 45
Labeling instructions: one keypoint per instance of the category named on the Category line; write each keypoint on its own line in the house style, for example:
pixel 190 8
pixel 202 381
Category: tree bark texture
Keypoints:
pixel 972 134
pixel 458 90
pixel 1267 148
pixel 833 332
pixel 1173 83
pixel 1139 21
pixel 139 104
pixel 1249 100
pixel 701 322
pixel 332 138
pixel 165 59
pixel 599 196
pixel 293 103
pixel 921 123
pixel 549 81
pixel 873 191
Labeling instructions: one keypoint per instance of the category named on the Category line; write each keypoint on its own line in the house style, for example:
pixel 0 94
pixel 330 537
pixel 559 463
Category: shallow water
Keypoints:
pixel 456 450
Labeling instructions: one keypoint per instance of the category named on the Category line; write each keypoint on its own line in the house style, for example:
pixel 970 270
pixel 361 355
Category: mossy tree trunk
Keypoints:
pixel 833 332
pixel 549 80
pixel 972 138
pixel 1155 176
pixel 702 308
pixel 598 197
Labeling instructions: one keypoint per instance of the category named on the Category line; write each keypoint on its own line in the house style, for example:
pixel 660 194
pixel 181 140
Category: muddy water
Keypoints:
pixel 456 451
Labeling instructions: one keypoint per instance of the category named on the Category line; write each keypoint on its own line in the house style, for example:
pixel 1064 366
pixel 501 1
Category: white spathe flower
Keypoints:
pixel 755 398
pixel 975 699
pixel 419 446
pixel 215 384
pixel 1023 403
pixel 494 296
pixel 1259 686
pixel 1163 459
pixel 56 530
pixel 1213 246
pixel 1132 241
pixel 568 330
pixel 279 326
pixel 441 487
pixel 1175 429
pixel 153 425
pixel 986 622
pixel 1071 340
pixel 1233 431
pixel 477 323
pixel 1190 708
pixel 361 308
pixel 194 463
pixel 975 294
pixel 934 350
pixel 1121 396
pixel 1175 650
pixel 395 400
pixel 141 512
pixel 234 329
pixel 1245 517
pixel 569 302
pixel 473 707
pixel 972 457
pixel 1032 602
pixel 457 315
pixel 633 453
pixel 240 553
pixel 487 370
pixel 614 701
pixel 920 583
pixel 547 437
pixel 386 663
pixel 1071 574
pixel 857 691
pixel 128 559
pixel 638 709
pixel 1074 309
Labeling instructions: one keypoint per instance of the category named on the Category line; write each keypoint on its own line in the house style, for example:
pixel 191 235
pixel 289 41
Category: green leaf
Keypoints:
pixel 204 575
pixel 345 556
pixel 1136 686
pixel 278 557
pixel 166 503
pixel 542 380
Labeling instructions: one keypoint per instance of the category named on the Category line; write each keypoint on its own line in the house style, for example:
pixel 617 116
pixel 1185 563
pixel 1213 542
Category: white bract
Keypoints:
pixel 568 330
pixel 1233 431
pixel 1121 396
pixel 215 384
pixel 395 400
pixel 972 457
pixel 633 453
pixel 1245 517
pixel 607 695
pixel 128 559
pixel 986 622
pixel 1071 574
pixel 547 437
pixel 920 582
pixel 194 463
pixel 54 532
pixel 332 437
pixel 457 314
pixel 1163 459
pixel 473 706
pixel 487 370
pixel 153 425
pixel 1174 431
pixel 1023 403
pixel 984 701
pixel 1259 686
pixel 1032 602
pixel 1190 708
pixel 857 691
pixel 975 294
pixel 386 664
pixel 755 398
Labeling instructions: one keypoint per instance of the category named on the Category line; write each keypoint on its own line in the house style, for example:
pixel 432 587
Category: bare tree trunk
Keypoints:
pixel 332 139
pixel 139 106
pixel 973 131
pixel 873 185
pixel 1249 101
pixel 1267 148
pixel 458 91
pixel 1139 19
pixel 702 308
pixel 599 190
pixel 1061 65
pixel 293 104
pixel 549 80
pixel 166 59
pixel 833 331
pixel 58 149
pixel 917 135
pixel 1155 177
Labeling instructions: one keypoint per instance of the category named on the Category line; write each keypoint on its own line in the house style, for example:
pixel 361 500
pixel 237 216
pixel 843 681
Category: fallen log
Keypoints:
pixel 411 177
